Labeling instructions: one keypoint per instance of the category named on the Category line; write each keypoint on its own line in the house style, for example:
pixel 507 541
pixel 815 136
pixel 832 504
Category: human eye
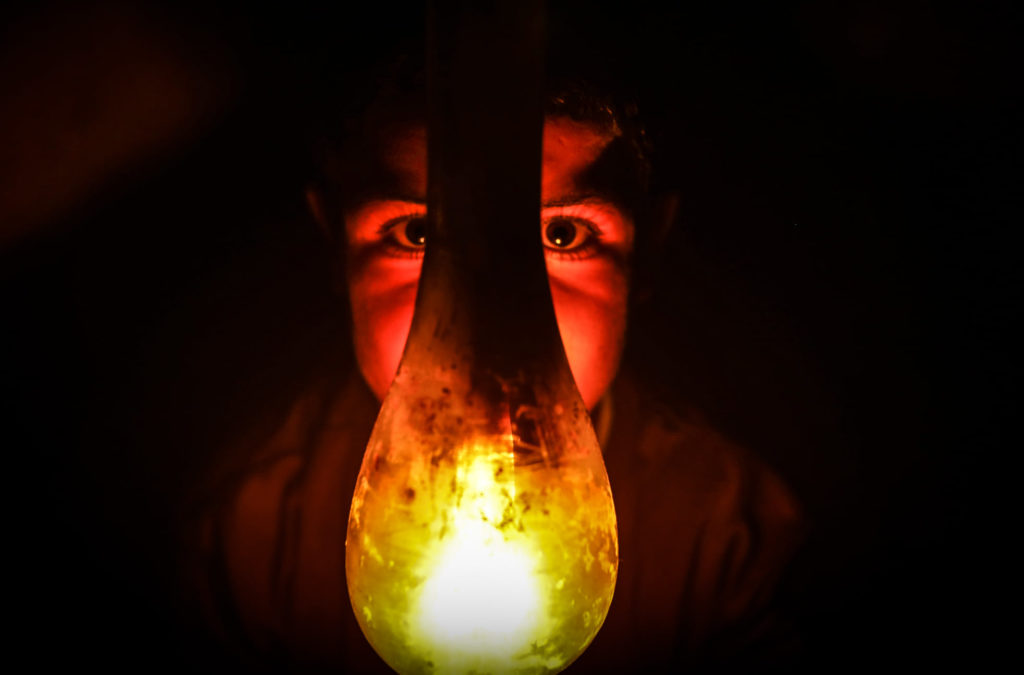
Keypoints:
pixel 406 235
pixel 568 234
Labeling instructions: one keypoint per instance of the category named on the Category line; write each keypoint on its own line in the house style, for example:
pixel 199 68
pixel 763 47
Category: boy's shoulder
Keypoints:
pixel 675 445
pixel 706 527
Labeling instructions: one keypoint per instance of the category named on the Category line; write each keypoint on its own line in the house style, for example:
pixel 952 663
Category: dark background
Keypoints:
pixel 833 295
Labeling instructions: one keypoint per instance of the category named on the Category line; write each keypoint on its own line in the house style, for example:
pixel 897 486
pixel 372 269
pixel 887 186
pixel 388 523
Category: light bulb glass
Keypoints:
pixel 472 549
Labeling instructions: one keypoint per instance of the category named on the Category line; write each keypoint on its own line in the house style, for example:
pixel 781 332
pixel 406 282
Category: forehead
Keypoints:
pixel 570 149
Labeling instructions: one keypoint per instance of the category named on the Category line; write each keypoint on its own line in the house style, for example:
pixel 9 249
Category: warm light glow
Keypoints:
pixel 481 596
pixel 472 562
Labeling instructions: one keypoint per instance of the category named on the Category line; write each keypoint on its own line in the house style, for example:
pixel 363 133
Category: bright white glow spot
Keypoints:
pixel 480 601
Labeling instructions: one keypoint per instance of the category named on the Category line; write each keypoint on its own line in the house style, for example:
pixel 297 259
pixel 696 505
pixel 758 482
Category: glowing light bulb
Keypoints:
pixel 474 552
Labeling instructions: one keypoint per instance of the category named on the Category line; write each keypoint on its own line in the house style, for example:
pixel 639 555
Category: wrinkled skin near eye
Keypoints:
pixel 587 241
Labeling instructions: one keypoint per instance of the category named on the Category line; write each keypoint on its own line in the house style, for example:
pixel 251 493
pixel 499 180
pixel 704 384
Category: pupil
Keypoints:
pixel 416 231
pixel 561 233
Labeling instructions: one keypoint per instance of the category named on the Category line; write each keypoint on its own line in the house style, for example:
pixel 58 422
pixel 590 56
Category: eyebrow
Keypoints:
pixel 567 200
pixel 572 199
pixel 577 198
pixel 368 196
pixel 592 198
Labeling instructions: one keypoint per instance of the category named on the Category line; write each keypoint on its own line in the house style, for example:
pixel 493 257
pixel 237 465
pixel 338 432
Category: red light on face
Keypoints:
pixel 589 281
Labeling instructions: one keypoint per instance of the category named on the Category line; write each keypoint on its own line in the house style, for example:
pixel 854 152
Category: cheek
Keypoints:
pixel 589 299
pixel 590 304
pixel 383 296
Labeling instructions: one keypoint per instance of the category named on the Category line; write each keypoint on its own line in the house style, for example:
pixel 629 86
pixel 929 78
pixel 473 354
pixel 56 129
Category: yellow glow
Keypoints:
pixel 480 599
pixel 476 565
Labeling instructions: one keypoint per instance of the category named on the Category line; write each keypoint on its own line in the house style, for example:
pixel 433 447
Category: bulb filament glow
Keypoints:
pixel 481 559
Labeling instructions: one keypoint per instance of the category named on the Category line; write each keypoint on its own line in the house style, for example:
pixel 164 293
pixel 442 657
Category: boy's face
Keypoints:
pixel 587 242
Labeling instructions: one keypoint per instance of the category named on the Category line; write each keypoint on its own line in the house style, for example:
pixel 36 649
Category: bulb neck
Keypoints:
pixel 484 283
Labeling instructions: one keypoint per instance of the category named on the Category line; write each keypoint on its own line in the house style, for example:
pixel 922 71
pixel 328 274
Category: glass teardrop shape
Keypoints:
pixel 480 540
